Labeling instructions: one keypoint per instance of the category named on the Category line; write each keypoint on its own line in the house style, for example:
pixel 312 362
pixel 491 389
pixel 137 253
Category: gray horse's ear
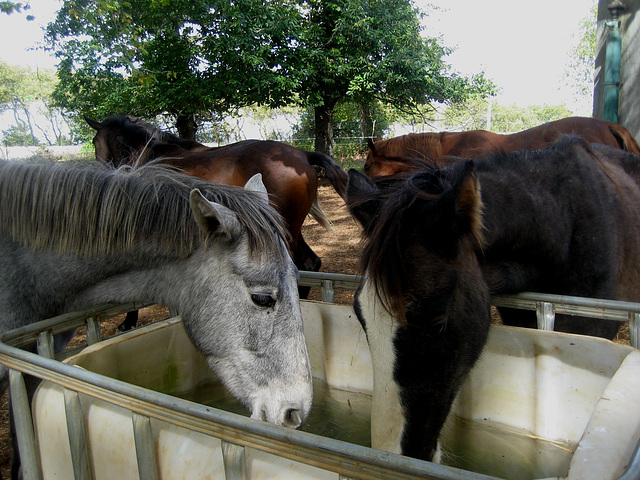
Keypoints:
pixel 213 218
pixel 93 123
pixel 255 184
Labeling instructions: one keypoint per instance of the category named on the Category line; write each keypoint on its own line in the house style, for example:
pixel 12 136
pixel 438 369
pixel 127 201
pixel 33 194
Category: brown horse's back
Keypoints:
pixel 286 173
pixel 592 130
pixel 386 157
pixel 477 143
pixel 471 144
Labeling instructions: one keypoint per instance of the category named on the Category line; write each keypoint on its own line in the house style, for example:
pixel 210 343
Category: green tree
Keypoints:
pixel 348 120
pixel 184 58
pixel 27 94
pixel 18 135
pixel 511 118
pixel 15 7
pixel 504 118
pixel 373 49
pixel 188 58
pixel 580 72
pixel 470 115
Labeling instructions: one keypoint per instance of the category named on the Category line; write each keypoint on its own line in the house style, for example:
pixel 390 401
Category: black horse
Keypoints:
pixel 439 242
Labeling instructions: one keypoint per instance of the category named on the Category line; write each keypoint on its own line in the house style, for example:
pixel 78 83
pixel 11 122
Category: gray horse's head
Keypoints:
pixel 217 253
pixel 245 316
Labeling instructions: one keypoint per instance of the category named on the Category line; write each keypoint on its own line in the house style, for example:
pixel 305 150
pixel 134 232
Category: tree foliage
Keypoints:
pixel 347 119
pixel 580 72
pixel 27 94
pixel 195 60
pixel 504 118
pixel 511 118
pixel 184 58
pixel 365 50
pixel 15 7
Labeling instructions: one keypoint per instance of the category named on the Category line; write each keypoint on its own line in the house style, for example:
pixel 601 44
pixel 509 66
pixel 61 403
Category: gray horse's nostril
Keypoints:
pixel 292 418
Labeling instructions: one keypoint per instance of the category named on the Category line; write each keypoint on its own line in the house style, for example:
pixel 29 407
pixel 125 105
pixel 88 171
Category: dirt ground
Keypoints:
pixel 338 248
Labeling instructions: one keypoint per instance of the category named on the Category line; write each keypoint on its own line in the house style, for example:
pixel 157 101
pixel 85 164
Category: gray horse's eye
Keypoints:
pixel 263 300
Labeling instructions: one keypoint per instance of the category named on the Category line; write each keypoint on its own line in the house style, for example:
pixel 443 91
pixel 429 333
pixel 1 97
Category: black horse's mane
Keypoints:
pixel 385 239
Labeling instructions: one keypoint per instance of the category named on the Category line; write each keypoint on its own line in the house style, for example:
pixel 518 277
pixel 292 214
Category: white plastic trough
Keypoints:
pixel 532 395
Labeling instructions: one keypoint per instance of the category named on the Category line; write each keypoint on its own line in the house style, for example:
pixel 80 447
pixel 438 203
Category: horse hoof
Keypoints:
pixel 124 327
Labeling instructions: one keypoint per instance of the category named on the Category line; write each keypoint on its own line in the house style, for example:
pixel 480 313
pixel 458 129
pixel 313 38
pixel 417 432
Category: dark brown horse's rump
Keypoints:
pixel 386 157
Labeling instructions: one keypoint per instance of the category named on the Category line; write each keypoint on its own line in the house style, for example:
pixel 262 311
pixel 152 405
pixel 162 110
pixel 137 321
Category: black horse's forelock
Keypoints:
pixel 91 209
pixel 386 239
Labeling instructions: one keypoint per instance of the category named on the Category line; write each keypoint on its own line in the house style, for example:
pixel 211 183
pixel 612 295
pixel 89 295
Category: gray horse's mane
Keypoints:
pixel 89 209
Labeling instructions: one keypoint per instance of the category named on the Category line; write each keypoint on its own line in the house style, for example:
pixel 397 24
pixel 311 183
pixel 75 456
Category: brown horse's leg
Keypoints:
pixel 306 260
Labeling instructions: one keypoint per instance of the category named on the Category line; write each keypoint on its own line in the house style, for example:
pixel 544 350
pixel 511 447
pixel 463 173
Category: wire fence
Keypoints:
pixel 344 147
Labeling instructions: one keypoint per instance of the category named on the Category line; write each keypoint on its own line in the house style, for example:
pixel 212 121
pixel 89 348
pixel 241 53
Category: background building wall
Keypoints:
pixel 629 100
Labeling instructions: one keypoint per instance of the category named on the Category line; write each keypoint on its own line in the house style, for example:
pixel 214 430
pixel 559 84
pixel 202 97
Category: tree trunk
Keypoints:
pixel 187 127
pixel 367 124
pixel 324 128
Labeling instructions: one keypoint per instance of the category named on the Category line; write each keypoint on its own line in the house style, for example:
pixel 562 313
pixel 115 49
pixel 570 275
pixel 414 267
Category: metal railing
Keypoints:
pixel 546 305
pixel 236 432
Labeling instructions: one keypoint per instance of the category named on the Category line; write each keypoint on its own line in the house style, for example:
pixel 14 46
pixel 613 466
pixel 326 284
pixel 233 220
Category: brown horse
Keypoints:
pixel 386 157
pixel 287 172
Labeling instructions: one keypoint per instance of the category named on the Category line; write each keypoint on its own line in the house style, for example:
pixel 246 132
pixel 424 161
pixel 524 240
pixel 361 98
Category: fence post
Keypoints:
pixel 545 315
pixel 328 291
pixel 23 424
pixel 145 448
pixel 234 461
pixel 77 436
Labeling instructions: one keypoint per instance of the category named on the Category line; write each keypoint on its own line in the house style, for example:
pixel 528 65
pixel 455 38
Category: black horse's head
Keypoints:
pixel 424 303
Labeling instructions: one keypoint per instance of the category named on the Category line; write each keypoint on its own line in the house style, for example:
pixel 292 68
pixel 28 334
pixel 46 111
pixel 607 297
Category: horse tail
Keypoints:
pixel 318 214
pixel 334 172
pixel 625 139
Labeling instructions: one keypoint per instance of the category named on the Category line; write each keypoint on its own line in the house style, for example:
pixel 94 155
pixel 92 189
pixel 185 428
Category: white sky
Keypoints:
pixel 18 36
pixel 522 45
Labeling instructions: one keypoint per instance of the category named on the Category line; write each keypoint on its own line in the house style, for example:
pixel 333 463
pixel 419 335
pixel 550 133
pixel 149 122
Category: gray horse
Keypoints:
pixel 75 235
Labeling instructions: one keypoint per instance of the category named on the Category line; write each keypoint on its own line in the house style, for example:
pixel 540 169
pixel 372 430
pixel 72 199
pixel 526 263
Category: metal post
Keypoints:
pixel 233 456
pixel 328 291
pixel 546 316
pixel 21 411
pixel 634 329
pixel 45 344
pixel 77 436
pixel 612 63
pixel 145 447
pixel 93 330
